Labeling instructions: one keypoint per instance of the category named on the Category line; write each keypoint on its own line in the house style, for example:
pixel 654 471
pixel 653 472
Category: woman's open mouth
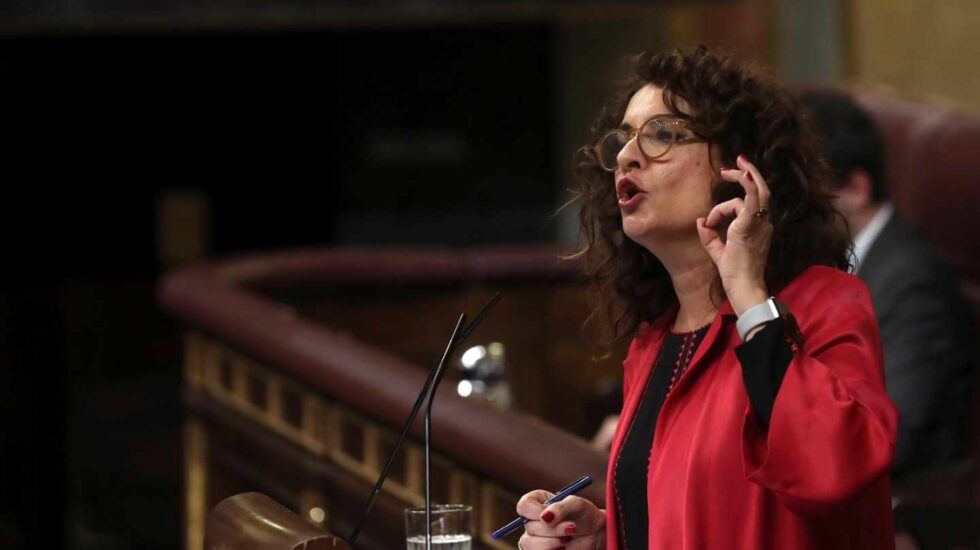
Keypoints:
pixel 628 193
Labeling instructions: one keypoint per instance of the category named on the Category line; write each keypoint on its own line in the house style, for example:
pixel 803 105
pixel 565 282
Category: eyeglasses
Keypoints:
pixel 654 139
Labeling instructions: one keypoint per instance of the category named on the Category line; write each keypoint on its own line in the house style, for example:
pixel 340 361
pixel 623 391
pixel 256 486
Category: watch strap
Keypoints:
pixel 757 315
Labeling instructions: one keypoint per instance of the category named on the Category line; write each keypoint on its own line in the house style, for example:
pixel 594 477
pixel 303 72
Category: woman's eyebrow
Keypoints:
pixel 626 126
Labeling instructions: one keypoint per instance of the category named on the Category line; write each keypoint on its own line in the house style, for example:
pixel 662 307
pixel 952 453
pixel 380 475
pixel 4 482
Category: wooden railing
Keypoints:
pixel 253 521
pixel 293 408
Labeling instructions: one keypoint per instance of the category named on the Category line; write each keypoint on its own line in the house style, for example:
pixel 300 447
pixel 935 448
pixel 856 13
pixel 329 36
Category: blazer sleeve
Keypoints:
pixel 924 361
pixel 832 430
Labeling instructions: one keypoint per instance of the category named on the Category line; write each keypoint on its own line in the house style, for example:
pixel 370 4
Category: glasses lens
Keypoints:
pixel 657 136
pixel 609 148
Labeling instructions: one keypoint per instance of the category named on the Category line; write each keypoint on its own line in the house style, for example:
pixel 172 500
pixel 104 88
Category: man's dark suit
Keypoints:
pixel 926 334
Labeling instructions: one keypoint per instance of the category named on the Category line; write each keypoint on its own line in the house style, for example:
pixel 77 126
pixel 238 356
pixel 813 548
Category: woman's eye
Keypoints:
pixel 661 134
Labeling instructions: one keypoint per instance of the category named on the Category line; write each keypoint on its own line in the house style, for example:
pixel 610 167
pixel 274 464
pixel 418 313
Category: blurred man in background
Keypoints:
pixel 925 327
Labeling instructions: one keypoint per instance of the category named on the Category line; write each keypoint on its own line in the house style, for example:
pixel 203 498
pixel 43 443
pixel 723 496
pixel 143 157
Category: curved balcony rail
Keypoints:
pixel 308 413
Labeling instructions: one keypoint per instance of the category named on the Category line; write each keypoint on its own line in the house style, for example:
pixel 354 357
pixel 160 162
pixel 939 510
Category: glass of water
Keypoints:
pixel 452 527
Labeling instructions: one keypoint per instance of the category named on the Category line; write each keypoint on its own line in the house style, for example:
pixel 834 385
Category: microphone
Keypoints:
pixel 427 422
pixel 428 391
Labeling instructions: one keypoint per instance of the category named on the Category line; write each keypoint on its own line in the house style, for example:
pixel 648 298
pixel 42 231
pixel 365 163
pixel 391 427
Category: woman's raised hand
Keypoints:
pixel 741 256
pixel 573 524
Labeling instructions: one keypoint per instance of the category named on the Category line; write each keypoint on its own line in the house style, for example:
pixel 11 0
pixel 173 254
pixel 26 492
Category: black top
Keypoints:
pixel 764 361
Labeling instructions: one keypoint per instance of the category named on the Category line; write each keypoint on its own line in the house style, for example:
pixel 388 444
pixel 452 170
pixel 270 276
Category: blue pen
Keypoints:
pixel 575 487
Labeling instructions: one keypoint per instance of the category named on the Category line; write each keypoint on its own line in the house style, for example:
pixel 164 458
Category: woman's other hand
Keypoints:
pixel 741 256
pixel 573 524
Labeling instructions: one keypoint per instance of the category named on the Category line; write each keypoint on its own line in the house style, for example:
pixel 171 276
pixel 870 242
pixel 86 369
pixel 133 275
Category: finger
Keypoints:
pixel 711 240
pixel 532 542
pixel 727 209
pixel 560 529
pixel 574 510
pixel 532 504
pixel 570 528
pixel 756 177
pixel 746 180
pixel 756 196
pixel 731 174
pixel 542 529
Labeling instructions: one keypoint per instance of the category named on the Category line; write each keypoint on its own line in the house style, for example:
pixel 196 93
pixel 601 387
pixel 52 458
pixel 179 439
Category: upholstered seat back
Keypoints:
pixel 933 172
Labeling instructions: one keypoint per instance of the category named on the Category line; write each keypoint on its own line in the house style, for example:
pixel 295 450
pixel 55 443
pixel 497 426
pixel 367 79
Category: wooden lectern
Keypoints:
pixel 255 521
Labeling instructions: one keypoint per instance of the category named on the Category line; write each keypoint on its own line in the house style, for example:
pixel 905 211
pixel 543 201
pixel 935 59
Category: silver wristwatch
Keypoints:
pixel 769 310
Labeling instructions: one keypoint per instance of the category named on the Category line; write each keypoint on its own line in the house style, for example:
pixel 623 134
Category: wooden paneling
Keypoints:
pixel 237 442
pixel 918 48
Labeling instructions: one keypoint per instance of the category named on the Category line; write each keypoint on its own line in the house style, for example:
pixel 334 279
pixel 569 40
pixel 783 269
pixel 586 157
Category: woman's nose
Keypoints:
pixel 630 156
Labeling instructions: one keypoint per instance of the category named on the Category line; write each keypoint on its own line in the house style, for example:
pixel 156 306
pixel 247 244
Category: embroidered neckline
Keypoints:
pixel 674 332
pixel 685 355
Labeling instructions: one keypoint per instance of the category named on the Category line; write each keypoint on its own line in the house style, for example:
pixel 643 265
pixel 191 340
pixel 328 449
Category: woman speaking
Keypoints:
pixel 755 414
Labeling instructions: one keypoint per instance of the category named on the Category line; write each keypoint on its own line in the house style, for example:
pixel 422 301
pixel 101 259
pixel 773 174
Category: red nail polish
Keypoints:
pixel 571 529
pixel 742 157
pixel 750 176
pixel 547 516
pixel 725 168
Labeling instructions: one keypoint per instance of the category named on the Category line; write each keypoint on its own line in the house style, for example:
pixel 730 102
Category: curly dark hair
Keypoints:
pixel 850 138
pixel 739 112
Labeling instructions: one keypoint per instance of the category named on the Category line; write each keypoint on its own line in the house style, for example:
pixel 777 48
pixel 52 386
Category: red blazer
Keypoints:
pixel 817 477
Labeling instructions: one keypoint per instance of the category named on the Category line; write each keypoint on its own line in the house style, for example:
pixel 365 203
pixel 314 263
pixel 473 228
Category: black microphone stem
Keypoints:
pixel 391 459
pixel 437 377
pixel 427 391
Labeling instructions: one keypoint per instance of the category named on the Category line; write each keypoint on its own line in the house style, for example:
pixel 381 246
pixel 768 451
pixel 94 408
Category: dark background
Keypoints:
pixel 390 135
